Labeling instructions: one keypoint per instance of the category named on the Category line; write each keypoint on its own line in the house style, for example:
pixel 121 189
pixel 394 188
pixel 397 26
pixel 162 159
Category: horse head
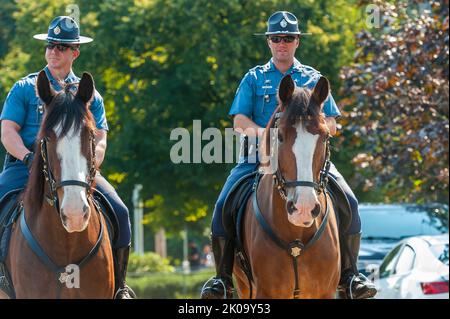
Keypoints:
pixel 65 169
pixel 300 140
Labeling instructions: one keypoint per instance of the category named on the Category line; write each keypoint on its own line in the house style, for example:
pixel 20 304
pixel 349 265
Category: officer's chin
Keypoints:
pixel 53 62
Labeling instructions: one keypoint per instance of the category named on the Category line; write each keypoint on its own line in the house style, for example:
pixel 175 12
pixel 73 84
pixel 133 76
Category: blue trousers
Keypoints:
pixel 15 175
pixel 355 225
pixel 243 168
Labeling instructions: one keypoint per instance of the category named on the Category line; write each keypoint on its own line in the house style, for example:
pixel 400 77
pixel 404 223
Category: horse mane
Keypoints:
pixel 303 107
pixel 300 107
pixel 68 110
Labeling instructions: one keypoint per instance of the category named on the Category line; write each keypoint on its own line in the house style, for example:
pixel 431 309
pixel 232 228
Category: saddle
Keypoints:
pixel 232 214
pixel 234 205
pixel 9 211
pixel 8 214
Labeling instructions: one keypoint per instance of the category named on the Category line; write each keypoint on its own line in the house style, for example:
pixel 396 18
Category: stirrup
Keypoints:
pixel 126 288
pixel 351 283
pixel 215 280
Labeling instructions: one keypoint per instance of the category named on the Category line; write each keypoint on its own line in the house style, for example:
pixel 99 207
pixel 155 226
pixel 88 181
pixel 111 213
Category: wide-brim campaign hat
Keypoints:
pixel 63 29
pixel 282 22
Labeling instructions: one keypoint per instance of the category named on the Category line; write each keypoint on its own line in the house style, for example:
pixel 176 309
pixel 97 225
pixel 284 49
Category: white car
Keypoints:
pixel 416 268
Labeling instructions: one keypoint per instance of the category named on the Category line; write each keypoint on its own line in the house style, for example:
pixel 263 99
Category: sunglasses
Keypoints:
pixel 59 46
pixel 286 39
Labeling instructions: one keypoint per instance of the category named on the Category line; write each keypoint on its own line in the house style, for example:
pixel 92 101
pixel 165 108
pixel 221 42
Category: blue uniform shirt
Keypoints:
pixel 24 107
pixel 256 96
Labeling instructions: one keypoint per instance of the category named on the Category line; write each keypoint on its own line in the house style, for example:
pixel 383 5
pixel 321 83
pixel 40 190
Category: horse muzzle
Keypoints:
pixel 301 218
pixel 76 221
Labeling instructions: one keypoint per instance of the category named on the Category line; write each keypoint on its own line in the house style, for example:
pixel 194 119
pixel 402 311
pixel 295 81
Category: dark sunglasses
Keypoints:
pixel 59 46
pixel 286 39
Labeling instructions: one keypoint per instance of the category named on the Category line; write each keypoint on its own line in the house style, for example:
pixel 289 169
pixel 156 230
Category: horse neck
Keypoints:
pixel 273 208
pixel 47 228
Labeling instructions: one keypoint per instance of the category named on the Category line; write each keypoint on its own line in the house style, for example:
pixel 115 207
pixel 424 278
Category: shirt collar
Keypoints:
pixel 294 68
pixel 70 78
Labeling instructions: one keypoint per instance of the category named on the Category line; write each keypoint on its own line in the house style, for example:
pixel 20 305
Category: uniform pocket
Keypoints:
pixel 266 100
pixel 35 112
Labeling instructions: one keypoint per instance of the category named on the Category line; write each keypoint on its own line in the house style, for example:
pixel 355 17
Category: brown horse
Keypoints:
pixel 59 245
pixel 290 233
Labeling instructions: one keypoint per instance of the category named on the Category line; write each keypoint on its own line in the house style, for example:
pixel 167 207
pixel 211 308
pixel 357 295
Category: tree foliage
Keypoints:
pixel 398 102
pixel 161 64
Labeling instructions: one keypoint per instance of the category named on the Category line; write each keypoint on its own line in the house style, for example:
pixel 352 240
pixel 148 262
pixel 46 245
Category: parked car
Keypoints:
pixel 415 268
pixel 384 225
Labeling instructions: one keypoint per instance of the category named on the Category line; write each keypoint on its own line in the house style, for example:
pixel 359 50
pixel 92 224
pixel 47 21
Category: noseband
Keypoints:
pixel 52 199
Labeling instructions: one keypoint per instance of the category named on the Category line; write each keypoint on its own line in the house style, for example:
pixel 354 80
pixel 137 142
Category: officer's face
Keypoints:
pixel 58 59
pixel 283 51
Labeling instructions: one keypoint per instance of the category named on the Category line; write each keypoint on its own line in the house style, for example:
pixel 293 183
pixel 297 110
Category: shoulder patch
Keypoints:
pixel 311 74
pixel 31 75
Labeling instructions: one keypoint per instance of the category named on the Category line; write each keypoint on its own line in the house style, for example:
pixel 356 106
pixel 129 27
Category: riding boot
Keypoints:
pixel 223 250
pixel 352 284
pixel 121 256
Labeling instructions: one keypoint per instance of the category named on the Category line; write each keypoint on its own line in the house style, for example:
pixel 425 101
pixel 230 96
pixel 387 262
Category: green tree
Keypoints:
pixel 160 65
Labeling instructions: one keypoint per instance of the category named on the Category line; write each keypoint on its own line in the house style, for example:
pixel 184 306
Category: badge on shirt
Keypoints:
pixel 267 84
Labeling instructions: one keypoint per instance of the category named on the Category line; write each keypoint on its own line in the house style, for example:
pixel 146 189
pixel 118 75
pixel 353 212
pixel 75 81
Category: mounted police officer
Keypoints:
pixel 253 105
pixel 20 121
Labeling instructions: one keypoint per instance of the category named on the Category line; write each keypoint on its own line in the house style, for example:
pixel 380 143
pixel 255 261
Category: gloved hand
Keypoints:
pixel 28 160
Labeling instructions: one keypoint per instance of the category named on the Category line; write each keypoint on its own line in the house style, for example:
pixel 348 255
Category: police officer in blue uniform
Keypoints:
pixel 253 105
pixel 20 121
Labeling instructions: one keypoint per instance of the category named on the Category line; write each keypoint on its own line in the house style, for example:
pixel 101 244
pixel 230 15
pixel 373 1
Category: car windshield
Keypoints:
pixel 400 221
pixel 441 252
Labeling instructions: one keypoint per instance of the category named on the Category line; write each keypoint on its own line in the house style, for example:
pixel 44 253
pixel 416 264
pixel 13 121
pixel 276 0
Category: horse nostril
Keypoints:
pixel 85 212
pixel 63 217
pixel 290 207
pixel 316 211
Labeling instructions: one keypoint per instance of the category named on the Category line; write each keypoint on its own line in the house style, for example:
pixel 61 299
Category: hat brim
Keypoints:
pixel 44 37
pixel 281 33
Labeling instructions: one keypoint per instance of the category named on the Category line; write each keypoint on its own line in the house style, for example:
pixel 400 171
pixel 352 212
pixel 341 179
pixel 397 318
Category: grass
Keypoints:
pixel 170 285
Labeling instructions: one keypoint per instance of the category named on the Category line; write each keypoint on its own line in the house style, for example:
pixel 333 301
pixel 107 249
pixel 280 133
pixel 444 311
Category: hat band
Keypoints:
pixel 62 40
pixel 283 32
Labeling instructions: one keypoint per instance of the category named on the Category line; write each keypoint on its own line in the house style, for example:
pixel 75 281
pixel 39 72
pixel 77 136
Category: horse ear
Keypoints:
pixel 86 88
pixel 286 89
pixel 43 88
pixel 321 91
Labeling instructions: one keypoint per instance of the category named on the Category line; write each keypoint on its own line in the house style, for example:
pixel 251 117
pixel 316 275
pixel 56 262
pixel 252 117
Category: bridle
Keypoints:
pixel 61 272
pixel 52 198
pixel 295 247
pixel 282 184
